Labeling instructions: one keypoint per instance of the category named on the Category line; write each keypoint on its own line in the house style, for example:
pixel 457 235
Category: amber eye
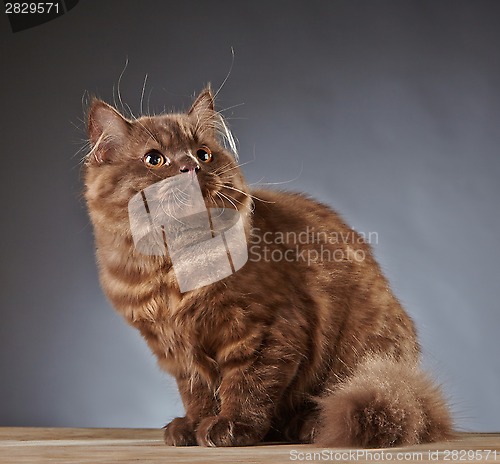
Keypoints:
pixel 154 159
pixel 204 154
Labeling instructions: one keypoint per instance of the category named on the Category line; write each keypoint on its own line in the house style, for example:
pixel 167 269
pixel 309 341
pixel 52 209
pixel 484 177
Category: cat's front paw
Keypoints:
pixel 179 432
pixel 220 431
pixel 308 430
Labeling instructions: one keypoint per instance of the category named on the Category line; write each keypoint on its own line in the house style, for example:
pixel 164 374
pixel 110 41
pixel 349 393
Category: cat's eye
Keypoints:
pixel 204 154
pixel 154 159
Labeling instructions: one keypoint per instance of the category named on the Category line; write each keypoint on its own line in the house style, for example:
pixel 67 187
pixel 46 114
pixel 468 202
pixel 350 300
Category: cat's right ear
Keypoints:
pixel 107 130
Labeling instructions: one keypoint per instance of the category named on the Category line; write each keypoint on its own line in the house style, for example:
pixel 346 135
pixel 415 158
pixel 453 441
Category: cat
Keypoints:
pixel 306 351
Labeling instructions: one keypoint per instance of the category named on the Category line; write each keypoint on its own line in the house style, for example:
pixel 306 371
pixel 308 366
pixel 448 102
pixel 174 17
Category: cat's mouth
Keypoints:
pixel 185 195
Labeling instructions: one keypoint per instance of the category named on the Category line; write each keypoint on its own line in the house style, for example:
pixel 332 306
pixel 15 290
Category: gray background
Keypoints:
pixel 387 110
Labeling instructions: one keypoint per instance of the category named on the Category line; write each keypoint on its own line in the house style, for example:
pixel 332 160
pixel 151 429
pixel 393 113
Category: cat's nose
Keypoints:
pixel 190 167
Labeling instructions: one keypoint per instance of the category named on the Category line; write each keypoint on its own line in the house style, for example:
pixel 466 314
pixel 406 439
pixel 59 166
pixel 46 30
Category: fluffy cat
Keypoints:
pixel 317 351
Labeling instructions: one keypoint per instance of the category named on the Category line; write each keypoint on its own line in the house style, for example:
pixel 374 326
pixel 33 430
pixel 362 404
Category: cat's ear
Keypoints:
pixel 204 102
pixel 107 130
pixel 208 121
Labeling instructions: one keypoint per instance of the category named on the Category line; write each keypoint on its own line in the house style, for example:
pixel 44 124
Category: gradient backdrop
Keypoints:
pixel 387 110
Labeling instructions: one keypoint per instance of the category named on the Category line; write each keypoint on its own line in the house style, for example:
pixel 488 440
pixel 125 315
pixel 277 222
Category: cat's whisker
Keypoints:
pixel 79 129
pixel 132 115
pixel 227 134
pixel 226 179
pixel 227 76
pixel 230 108
pixel 119 82
pixel 149 98
pixel 167 212
pixel 218 170
pixel 238 166
pixel 234 199
pixel 227 118
pixel 215 203
pixel 228 199
pixel 83 148
pixel 178 203
pixel 258 182
pixel 251 206
pixel 247 194
pixel 282 182
pixel 225 171
pixel 114 97
pixel 219 215
pixel 185 196
pixel 222 199
pixel 143 89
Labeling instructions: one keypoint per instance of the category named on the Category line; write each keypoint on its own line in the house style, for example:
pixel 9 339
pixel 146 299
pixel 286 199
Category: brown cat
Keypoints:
pixel 305 343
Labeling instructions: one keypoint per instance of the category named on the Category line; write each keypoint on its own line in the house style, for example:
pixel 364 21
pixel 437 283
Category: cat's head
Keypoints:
pixel 129 155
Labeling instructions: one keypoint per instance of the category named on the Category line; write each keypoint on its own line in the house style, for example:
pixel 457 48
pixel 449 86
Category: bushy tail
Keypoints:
pixel 384 403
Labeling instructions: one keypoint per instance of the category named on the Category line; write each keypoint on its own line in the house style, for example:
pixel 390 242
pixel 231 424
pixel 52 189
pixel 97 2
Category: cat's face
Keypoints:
pixel 128 156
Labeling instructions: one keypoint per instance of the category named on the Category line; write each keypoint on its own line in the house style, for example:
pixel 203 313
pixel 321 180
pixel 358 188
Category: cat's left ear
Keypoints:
pixel 204 103
pixel 107 130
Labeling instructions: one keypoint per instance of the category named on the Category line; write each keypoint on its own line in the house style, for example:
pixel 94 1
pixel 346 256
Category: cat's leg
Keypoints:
pixel 250 389
pixel 199 401
pixel 301 426
pixel 309 428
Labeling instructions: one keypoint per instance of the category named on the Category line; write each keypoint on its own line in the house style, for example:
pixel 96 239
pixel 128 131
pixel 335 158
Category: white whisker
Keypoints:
pixel 186 197
pixel 119 82
pixel 228 73
pixel 283 182
pixel 230 200
pixel 247 194
pixel 149 98
pixel 230 108
pixel 143 89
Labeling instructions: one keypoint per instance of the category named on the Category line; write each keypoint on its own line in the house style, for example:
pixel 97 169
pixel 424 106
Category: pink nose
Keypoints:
pixel 189 168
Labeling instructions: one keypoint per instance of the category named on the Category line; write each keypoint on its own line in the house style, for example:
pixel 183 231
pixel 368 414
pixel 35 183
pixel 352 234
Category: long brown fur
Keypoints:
pixel 312 351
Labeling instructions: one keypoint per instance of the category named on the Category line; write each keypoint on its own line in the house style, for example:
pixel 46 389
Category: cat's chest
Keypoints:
pixel 169 322
pixel 139 290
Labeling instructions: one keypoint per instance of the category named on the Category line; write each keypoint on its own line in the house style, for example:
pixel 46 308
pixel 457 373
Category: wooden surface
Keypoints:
pixel 58 445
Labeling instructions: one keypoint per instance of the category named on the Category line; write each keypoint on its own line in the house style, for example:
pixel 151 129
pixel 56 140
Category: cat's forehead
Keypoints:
pixel 167 129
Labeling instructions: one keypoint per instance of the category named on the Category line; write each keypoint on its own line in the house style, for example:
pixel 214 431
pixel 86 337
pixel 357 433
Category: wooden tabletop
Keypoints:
pixel 63 445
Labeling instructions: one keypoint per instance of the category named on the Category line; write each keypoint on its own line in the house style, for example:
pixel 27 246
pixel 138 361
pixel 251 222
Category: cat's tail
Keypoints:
pixel 384 403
